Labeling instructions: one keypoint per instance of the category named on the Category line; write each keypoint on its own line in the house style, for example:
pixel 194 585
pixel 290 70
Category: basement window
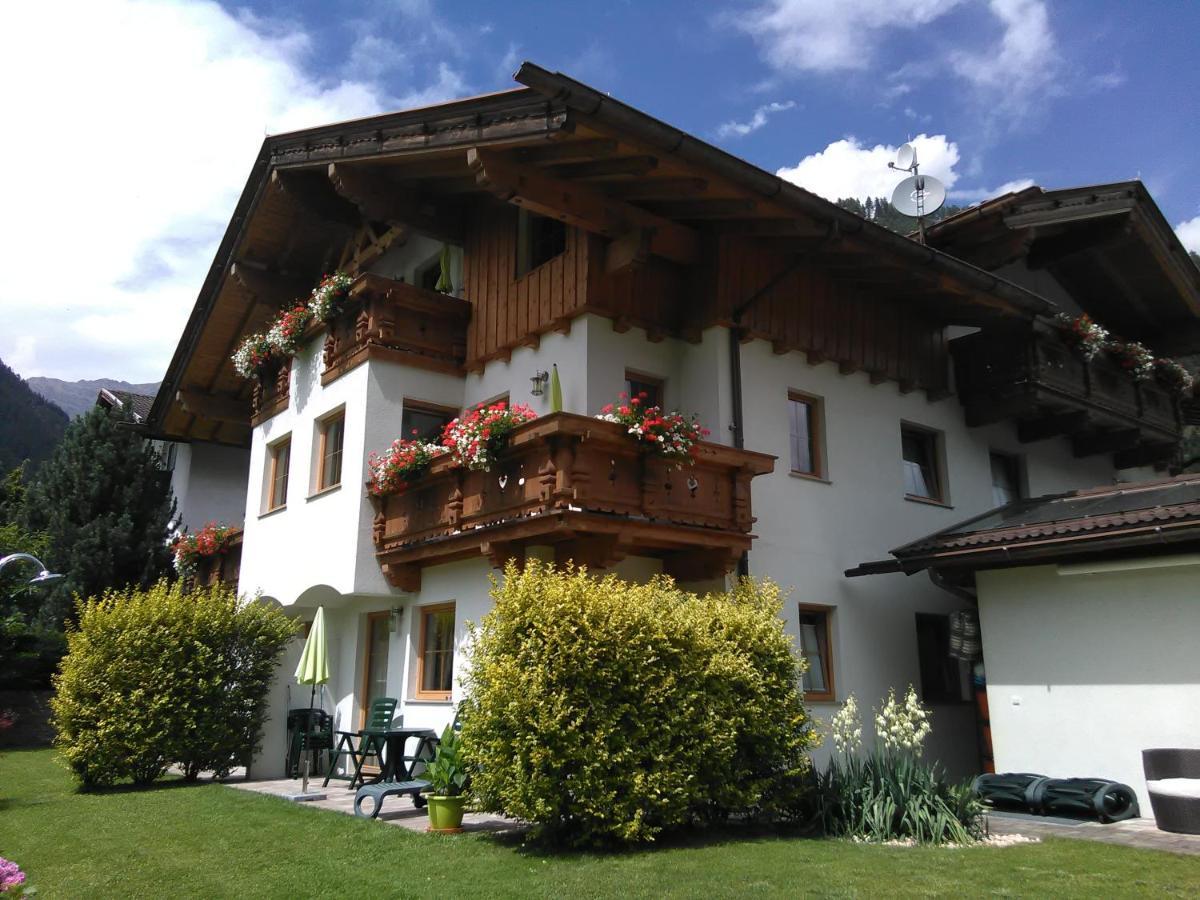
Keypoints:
pixel 539 240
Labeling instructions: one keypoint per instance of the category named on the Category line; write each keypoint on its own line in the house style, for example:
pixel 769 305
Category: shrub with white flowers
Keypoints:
pixel 846 727
pixel 902 726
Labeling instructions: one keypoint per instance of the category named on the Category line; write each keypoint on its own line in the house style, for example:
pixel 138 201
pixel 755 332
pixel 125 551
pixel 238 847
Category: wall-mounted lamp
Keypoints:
pixel 539 383
pixel 394 619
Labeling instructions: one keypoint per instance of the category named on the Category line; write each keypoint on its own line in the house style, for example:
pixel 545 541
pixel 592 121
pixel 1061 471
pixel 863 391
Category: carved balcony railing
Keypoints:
pixel 270 393
pixel 395 321
pixel 1035 378
pixel 223 567
pixel 584 487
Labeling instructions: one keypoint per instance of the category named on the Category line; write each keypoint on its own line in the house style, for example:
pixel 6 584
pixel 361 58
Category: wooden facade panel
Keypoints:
pixel 508 310
pixel 814 312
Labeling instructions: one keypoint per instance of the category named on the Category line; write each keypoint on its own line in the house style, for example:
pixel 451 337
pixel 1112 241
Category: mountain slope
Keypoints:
pixel 30 425
pixel 77 397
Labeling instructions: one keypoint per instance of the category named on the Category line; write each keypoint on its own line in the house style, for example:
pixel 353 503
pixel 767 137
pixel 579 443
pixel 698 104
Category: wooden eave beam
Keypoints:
pixel 268 288
pixel 580 205
pixel 315 195
pixel 704 208
pixel 565 151
pixel 381 200
pixel 215 407
pixel 657 188
pixel 606 168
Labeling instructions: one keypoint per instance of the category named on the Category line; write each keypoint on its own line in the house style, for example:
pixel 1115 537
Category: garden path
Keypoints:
pixel 1140 833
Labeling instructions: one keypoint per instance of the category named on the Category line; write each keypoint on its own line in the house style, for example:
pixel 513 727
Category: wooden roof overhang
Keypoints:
pixel 1108 245
pixel 556 147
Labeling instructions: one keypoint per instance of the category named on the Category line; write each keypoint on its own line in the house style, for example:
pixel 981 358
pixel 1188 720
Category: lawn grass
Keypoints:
pixel 208 840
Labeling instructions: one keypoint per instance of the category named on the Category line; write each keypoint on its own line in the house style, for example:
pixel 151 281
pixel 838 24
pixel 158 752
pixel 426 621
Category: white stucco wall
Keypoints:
pixel 319 549
pixel 209 484
pixel 1087 670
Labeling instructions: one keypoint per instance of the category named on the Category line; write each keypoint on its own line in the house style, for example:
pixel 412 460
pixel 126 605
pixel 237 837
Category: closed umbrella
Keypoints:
pixel 314 661
pixel 555 390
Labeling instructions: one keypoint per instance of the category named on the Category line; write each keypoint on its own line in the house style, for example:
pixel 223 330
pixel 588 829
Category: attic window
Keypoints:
pixel 539 240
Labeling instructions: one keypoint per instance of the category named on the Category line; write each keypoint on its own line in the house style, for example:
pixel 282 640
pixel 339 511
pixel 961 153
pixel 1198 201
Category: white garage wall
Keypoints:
pixel 1086 671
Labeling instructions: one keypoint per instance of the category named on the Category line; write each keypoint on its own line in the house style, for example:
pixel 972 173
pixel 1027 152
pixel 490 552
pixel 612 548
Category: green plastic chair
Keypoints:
pixel 366 743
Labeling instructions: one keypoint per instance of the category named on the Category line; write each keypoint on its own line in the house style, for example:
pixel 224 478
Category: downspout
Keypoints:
pixel 735 370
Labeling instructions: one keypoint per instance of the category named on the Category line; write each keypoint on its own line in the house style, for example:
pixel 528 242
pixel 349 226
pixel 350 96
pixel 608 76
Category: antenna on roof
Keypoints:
pixel 918 195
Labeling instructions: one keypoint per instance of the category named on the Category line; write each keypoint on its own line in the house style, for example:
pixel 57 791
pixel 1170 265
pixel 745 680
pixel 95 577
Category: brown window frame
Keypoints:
pixel 826 650
pixel 424 612
pixel 655 383
pixel 816 434
pixel 934 442
pixel 445 412
pixel 326 424
pixel 276 450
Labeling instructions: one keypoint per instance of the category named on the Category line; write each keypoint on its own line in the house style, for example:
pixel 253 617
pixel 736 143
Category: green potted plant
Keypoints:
pixel 447 777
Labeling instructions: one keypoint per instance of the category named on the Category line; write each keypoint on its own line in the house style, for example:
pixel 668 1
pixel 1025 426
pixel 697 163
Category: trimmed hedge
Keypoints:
pixel 165 676
pixel 606 712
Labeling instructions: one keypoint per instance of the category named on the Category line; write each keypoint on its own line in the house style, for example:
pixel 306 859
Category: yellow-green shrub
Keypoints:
pixel 605 711
pixel 165 676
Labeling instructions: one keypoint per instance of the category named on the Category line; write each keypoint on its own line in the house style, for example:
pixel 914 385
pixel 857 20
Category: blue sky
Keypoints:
pixel 171 99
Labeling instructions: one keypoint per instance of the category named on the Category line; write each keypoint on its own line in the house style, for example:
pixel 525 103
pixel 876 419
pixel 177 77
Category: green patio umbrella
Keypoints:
pixel 555 390
pixel 314 661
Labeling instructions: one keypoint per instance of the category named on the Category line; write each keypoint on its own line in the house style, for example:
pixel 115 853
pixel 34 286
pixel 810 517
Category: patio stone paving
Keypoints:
pixel 1141 833
pixel 396 810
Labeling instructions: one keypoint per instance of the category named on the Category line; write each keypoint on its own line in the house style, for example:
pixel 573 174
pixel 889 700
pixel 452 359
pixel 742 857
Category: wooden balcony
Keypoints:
pixel 270 394
pixel 584 487
pixel 395 321
pixel 1036 379
pixel 224 567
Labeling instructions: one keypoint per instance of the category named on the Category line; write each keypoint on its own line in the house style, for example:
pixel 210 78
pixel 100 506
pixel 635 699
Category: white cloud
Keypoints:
pixel 1189 234
pixel 1021 66
pixel 132 133
pixel 820 36
pixel 847 168
pixel 757 121
pixel 977 195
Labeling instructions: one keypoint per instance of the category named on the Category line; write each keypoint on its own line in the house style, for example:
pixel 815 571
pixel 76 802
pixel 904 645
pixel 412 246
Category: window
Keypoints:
pixel 539 240
pixel 1006 478
pixel 329 451
pixel 922 475
pixel 814 646
pixel 435 653
pixel 280 458
pixel 944 679
pixel 804 424
pixel 636 384
pixel 424 421
pixel 375 666
pixel 430 274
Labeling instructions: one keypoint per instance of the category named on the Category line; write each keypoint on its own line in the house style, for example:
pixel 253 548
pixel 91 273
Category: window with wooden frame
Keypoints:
pixel 1006 478
pixel 424 421
pixel 539 240
pixel 815 624
pixel 921 452
pixel 637 384
pixel 805 426
pixel 435 652
pixel 331 434
pixel 279 460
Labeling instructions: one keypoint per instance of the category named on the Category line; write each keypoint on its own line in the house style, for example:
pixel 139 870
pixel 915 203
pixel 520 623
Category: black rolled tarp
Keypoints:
pixel 1097 798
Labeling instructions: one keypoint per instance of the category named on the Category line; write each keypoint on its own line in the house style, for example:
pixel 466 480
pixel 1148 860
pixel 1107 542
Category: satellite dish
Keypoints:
pixel 906 156
pixel 918 195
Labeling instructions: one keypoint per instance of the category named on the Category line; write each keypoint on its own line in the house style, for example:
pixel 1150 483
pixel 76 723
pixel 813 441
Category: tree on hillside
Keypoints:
pixel 30 426
pixel 104 502
pixel 881 212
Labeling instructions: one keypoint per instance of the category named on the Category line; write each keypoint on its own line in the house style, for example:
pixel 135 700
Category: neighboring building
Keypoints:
pixel 1090 620
pixel 584 234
